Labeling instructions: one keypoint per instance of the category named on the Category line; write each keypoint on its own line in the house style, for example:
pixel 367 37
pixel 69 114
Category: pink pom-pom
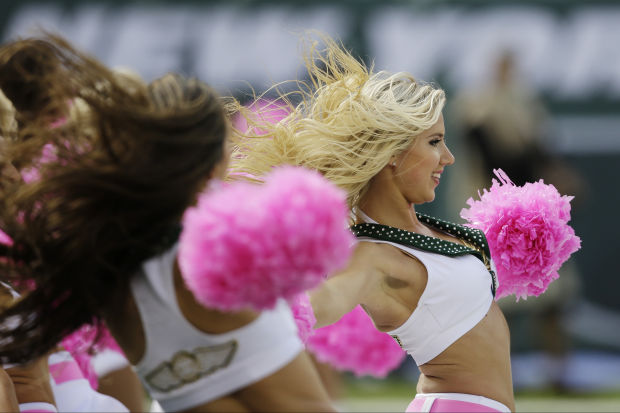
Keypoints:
pixel 354 344
pixel 303 315
pixel 527 231
pixel 245 245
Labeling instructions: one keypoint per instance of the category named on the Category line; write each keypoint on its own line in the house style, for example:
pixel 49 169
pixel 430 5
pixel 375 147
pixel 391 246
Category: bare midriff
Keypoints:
pixel 477 363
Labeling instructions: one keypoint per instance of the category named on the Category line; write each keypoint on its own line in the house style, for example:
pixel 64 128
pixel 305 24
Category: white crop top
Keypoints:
pixel 457 296
pixel 183 367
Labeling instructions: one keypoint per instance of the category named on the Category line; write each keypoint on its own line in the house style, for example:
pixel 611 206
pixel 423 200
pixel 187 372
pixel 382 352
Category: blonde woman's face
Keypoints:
pixel 418 170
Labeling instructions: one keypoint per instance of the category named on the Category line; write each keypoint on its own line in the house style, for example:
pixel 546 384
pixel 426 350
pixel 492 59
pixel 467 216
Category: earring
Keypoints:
pixel 393 163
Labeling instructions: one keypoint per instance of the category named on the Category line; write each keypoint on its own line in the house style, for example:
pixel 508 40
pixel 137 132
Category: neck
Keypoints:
pixel 386 205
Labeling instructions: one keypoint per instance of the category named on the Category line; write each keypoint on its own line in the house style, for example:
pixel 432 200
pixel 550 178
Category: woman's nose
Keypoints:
pixel 446 157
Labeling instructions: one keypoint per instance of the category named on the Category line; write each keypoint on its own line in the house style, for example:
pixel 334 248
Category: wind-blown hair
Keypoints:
pixel 94 179
pixel 348 126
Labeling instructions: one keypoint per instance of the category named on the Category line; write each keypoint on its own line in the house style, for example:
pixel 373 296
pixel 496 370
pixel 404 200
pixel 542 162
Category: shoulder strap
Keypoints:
pixel 476 243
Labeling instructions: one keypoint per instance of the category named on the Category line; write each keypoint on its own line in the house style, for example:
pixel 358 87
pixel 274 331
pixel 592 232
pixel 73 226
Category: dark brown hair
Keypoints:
pixel 92 191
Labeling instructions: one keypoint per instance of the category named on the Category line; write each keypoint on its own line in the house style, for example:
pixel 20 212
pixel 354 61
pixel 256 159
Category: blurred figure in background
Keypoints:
pixel 505 123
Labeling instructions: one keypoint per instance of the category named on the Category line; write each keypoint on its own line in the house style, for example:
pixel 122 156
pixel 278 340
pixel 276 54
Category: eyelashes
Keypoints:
pixel 436 141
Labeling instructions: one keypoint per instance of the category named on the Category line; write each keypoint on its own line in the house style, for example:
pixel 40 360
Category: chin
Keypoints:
pixel 422 199
pixel 429 198
pixel 420 202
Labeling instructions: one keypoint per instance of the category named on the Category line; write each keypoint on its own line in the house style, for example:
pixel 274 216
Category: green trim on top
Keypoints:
pixel 477 242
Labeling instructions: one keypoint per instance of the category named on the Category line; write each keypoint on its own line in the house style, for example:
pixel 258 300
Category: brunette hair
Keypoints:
pixel 90 193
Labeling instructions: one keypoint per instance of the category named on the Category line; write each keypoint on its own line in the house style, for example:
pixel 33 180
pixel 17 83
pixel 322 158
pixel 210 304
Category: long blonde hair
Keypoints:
pixel 348 126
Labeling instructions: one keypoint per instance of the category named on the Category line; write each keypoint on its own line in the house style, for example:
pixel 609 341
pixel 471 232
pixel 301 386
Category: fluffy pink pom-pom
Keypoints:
pixel 527 231
pixel 354 344
pixel 303 315
pixel 245 245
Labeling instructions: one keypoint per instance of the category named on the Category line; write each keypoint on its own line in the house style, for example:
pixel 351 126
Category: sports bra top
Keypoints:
pixel 183 367
pixel 459 290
